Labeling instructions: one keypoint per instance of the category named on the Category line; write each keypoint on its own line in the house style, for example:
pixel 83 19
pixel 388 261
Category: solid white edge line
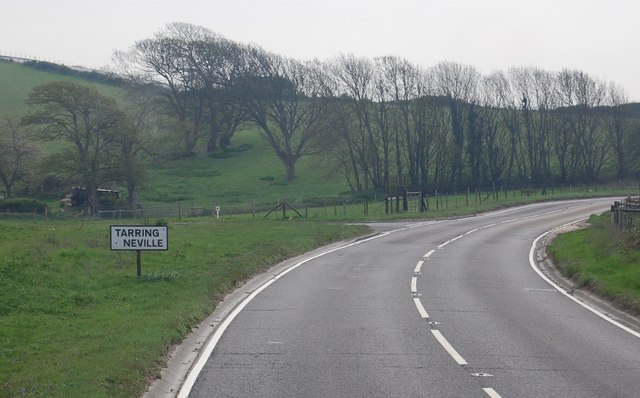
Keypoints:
pixel 532 263
pixel 192 376
pixel 418 266
pixel 491 392
pixel 420 307
pixel 448 347
pixel 414 285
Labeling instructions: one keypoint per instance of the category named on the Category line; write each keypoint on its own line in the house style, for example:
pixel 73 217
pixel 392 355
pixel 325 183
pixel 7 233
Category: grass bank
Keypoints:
pixel 75 321
pixel 602 259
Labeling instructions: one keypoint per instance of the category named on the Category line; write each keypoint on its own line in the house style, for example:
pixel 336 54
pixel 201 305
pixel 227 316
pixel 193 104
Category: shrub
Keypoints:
pixel 22 205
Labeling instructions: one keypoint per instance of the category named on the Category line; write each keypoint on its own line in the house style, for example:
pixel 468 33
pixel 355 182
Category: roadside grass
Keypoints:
pixel 75 321
pixel 602 259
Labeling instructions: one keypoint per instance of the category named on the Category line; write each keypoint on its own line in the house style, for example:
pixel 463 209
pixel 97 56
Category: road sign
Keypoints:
pixel 139 237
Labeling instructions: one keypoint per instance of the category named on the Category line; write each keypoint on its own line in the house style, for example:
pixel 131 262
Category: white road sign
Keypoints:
pixel 138 237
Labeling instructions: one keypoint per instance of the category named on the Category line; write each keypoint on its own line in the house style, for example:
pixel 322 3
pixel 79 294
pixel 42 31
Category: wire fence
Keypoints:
pixel 344 207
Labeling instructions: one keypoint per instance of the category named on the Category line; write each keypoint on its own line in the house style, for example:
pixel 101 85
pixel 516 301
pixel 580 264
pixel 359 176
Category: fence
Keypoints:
pixel 359 207
pixel 178 210
pixel 623 214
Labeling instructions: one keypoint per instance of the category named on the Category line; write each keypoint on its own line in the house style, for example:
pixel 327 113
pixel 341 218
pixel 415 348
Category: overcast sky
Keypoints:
pixel 600 37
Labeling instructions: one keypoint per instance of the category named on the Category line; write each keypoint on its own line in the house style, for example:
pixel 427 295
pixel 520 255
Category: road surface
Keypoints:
pixel 433 309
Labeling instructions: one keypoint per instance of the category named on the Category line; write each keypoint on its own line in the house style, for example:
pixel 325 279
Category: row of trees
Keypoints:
pixel 389 123
pixel 386 123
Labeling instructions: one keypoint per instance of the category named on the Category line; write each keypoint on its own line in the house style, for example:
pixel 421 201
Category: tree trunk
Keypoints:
pixel 290 165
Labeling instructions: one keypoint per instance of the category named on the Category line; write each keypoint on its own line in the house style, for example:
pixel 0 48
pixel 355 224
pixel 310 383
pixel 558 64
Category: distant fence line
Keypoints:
pixel 345 206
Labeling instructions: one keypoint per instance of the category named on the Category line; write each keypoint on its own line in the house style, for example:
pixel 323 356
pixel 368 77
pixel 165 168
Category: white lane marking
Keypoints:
pixel 427 255
pixel 448 347
pixel 532 263
pixel 444 244
pixel 456 238
pixel 554 211
pixel 491 392
pixel 418 267
pixel 414 285
pixel 472 231
pixel 190 380
pixel 420 307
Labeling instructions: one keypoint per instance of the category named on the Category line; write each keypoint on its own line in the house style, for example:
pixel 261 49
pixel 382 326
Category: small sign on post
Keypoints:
pixel 139 238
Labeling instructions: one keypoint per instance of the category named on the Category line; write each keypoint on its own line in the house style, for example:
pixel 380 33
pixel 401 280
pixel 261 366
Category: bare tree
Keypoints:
pixel 497 145
pixel 163 60
pixel 618 129
pixel 85 119
pixel 457 83
pixel 19 153
pixel 288 100
pixel 580 94
pixel 354 82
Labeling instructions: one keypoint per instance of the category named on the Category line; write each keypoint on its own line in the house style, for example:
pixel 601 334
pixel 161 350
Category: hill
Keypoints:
pixel 247 171
pixel 17 80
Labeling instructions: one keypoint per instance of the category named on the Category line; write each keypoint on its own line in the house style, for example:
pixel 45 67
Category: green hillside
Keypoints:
pixel 16 82
pixel 244 173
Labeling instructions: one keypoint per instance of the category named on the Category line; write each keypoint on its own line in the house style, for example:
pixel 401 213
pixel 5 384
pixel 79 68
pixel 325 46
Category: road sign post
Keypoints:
pixel 139 238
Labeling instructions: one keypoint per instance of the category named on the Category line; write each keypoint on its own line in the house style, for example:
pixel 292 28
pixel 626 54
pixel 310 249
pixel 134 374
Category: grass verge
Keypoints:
pixel 75 321
pixel 602 259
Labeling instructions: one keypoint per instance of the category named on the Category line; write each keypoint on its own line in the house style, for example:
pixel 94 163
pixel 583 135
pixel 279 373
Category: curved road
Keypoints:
pixel 434 309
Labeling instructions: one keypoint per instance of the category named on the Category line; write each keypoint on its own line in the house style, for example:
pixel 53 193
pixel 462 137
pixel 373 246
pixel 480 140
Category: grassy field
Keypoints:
pixel 16 82
pixel 75 321
pixel 247 172
pixel 603 260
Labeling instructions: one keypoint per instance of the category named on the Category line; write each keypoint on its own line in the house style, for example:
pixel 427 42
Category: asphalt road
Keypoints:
pixel 434 309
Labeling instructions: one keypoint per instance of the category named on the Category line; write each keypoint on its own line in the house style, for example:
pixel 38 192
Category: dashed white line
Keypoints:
pixel 448 347
pixel 456 238
pixel 414 285
pixel 418 267
pixel 420 307
pixel 444 244
pixel 491 393
pixel 429 253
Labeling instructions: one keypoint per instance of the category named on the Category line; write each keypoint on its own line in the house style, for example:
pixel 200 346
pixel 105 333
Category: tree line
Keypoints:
pixel 387 124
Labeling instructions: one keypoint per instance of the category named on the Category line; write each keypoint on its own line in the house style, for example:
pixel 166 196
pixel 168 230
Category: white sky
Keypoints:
pixel 600 37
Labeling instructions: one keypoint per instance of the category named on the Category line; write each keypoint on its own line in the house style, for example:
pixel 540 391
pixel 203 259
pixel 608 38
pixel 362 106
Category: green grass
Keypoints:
pixel 16 82
pixel 602 259
pixel 75 321
pixel 248 172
